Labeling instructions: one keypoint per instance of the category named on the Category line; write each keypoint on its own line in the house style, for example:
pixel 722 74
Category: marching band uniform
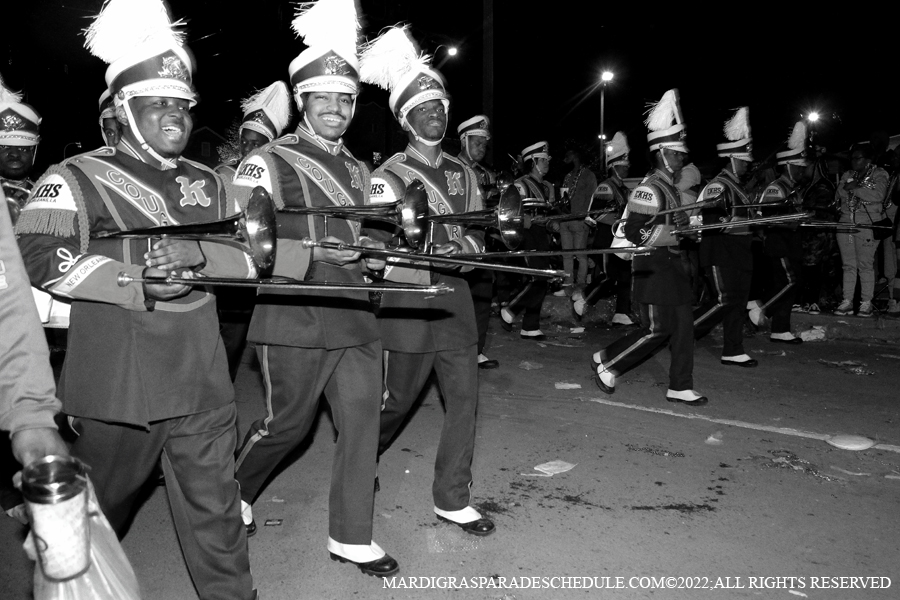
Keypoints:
pixel 534 237
pixel 662 283
pixel 481 281
pixel 783 246
pixel 614 277
pixel 424 334
pixel 318 342
pixel 144 378
pixel 725 254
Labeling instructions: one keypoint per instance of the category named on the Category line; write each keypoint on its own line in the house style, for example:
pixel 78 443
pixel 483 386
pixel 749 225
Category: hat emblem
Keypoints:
pixel 427 83
pixel 173 68
pixel 335 65
pixel 12 122
pixel 483 124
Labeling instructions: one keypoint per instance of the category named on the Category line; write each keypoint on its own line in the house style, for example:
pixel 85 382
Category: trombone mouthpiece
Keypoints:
pixel 124 279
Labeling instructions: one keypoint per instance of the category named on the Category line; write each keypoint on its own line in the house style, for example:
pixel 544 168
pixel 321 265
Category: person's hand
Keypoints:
pixel 333 256
pixel 590 222
pixel 30 445
pixel 374 263
pixel 164 291
pixel 851 185
pixel 169 254
pixel 448 249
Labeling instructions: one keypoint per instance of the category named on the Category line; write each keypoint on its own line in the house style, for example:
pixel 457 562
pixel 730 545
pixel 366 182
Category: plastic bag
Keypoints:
pixel 110 576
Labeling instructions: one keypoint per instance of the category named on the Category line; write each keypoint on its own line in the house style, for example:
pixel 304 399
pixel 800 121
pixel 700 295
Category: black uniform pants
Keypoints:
pixel 481 284
pixel 457 375
pixel 531 298
pixel 726 303
pixel 198 461
pixel 659 324
pixel 295 379
pixel 779 298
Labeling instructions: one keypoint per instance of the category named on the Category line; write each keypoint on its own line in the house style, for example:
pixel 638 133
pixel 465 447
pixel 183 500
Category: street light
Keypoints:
pixel 605 78
pixel 813 117
pixel 451 52
pixel 66 147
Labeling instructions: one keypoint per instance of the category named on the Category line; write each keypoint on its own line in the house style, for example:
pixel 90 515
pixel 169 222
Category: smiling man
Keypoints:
pixel 422 335
pixel 145 376
pixel 325 343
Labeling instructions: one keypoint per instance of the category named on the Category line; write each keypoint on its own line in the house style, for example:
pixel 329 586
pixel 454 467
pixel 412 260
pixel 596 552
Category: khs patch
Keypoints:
pixel 355 176
pixel 454 185
pixel 53 192
pixel 249 170
pixel 773 192
pixel 711 191
pixel 643 195
pixel 192 192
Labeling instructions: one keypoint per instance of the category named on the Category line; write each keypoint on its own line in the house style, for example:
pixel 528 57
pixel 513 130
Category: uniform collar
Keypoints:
pixel 664 175
pixel 332 148
pixel 411 151
pixel 729 175
pixel 125 148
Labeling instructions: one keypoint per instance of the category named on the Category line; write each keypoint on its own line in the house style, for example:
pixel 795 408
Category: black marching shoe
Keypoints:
pixel 383 567
pixel 487 363
pixel 746 363
pixel 251 528
pixel 479 527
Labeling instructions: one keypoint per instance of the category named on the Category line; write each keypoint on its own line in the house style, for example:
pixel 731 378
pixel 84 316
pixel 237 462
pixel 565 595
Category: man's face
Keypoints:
pixel 429 120
pixel 674 158
pixel 569 157
pixel 165 123
pixel 329 113
pixel 16 161
pixel 741 167
pixel 858 162
pixel 621 170
pixel 542 165
pixel 477 145
pixel 251 140
pixel 112 133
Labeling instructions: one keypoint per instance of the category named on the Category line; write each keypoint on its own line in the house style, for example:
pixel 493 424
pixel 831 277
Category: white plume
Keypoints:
pixel 390 56
pixel 619 143
pixel 7 95
pixel 328 24
pixel 275 100
pixel 798 136
pixel 738 128
pixel 665 113
pixel 124 24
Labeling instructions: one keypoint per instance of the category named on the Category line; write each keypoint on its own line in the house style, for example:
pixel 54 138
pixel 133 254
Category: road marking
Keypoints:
pixel 769 428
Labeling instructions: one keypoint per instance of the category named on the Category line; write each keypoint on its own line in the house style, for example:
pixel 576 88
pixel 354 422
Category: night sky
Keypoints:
pixel 781 63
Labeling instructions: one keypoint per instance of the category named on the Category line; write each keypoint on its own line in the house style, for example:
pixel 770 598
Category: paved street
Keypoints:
pixel 744 487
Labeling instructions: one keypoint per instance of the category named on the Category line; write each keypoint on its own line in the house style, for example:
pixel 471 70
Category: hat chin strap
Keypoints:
pixel 166 162
pixel 431 143
pixel 316 135
pixel 665 161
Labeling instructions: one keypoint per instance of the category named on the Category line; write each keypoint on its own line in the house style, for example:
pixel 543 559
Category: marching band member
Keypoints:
pixel 614 277
pixel 534 237
pixel 266 114
pixel 110 128
pixel 725 254
pixel 474 134
pixel 145 374
pixel 782 244
pixel 325 343
pixel 423 335
pixel 662 283
pixel 19 138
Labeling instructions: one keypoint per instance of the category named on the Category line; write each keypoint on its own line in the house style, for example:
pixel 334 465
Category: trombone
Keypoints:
pixel 286 283
pixel 747 222
pixel 254 229
pixel 408 213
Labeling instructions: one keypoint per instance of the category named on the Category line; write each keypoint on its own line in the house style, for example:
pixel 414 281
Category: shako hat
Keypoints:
pixel 19 123
pixel 268 111
pixel 539 150
pixel 617 151
pixel 477 125
pixel 796 152
pixel 665 124
pixel 330 30
pixel 739 143
pixel 394 63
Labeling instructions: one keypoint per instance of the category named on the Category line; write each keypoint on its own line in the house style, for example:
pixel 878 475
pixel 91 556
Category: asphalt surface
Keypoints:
pixel 662 499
